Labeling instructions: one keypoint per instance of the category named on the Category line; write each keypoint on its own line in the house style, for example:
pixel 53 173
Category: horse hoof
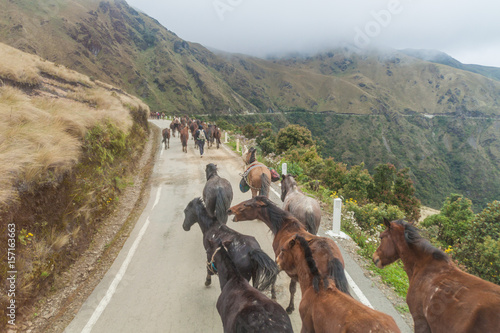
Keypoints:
pixel 289 310
pixel 207 283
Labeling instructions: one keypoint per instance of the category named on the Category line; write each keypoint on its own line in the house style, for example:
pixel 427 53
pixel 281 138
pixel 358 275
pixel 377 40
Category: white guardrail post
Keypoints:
pixel 225 137
pixel 337 212
pixel 284 169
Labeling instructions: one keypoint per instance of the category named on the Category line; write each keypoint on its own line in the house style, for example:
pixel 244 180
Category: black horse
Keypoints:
pixel 217 194
pixel 241 307
pixel 245 251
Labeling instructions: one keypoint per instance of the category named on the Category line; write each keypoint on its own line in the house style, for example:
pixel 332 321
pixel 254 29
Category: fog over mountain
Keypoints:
pixel 466 31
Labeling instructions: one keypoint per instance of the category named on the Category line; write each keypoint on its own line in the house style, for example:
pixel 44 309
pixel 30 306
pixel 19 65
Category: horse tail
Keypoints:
pixel 311 222
pixel 221 206
pixel 265 267
pixel 336 271
pixel 265 184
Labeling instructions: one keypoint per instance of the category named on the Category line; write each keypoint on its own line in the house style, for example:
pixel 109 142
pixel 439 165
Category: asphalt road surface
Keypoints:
pixel 156 283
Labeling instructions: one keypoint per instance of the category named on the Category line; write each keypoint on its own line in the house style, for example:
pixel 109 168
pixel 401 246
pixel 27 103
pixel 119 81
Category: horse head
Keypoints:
pixel 288 183
pixel 193 214
pixel 210 170
pixel 249 209
pixel 250 155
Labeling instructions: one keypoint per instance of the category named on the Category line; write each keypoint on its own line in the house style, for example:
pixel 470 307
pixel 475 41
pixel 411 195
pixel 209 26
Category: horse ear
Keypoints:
pixel 387 222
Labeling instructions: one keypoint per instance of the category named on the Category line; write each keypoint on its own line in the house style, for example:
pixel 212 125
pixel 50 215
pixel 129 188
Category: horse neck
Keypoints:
pixel 227 270
pixel 304 273
pixel 414 259
pixel 278 223
pixel 212 174
pixel 204 221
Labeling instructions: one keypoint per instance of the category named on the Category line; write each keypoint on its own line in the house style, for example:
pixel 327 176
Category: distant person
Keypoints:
pixel 201 137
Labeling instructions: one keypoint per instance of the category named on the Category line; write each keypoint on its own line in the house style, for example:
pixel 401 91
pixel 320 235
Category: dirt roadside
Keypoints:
pixel 55 311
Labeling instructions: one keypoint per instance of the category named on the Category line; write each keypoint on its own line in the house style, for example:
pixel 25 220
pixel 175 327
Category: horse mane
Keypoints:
pixel 252 152
pixel 277 216
pixel 413 237
pixel 310 262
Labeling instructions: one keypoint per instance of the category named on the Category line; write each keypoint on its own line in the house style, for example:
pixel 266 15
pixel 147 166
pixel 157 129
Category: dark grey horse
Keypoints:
pixel 241 307
pixel 306 209
pixel 217 194
pixel 245 251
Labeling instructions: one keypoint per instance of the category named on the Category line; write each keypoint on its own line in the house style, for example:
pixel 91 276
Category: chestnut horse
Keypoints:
pixel 252 262
pixel 166 137
pixel 323 307
pixel 217 135
pixel 184 134
pixel 306 209
pixel 284 225
pixel 441 297
pixel 241 307
pixel 257 175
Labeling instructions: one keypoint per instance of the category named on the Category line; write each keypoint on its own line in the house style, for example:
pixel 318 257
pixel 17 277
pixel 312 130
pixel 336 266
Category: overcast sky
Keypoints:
pixel 467 30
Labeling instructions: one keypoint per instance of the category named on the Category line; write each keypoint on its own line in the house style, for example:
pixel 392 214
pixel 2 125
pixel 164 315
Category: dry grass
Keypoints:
pixel 42 132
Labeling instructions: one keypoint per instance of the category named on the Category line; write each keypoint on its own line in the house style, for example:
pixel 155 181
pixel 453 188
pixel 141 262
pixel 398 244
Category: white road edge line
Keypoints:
pixel 112 288
pixel 357 291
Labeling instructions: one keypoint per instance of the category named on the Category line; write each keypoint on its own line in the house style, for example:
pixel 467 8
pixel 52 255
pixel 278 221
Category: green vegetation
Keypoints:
pixel 472 240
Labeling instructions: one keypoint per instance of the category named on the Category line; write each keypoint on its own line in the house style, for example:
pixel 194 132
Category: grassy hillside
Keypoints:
pixel 67 146
pixel 110 41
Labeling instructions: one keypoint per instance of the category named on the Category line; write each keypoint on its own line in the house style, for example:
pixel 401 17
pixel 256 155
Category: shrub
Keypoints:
pixel 453 222
pixel 370 216
pixel 293 136
pixel 357 183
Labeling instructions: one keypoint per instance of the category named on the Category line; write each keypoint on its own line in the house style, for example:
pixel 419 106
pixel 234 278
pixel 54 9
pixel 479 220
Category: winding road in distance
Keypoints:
pixel 156 283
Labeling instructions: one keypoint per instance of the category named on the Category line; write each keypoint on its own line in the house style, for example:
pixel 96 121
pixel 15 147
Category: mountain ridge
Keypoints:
pixel 393 95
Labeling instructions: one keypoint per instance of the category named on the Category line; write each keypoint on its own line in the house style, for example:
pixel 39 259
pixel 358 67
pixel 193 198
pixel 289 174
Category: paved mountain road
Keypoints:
pixel 156 283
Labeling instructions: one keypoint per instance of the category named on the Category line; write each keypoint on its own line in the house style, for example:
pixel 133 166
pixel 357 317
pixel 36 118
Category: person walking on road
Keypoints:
pixel 201 137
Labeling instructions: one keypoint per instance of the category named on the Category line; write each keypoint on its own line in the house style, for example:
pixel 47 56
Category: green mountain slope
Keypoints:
pixel 372 107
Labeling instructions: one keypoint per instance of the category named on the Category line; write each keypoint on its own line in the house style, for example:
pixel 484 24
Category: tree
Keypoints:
pixel 453 221
pixel 383 180
pixel 404 195
pixel 358 181
pixel 293 136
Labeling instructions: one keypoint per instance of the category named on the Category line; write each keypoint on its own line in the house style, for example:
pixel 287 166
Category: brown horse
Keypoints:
pixel 257 175
pixel 441 297
pixel 323 307
pixel 241 307
pixel 284 226
pixel 217 135
pixel 304 208
pixel 175 125
pixel 166 137
pixel 184 138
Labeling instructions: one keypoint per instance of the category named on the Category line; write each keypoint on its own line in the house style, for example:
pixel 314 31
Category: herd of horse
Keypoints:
pixel 441 297
pixel 185 125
